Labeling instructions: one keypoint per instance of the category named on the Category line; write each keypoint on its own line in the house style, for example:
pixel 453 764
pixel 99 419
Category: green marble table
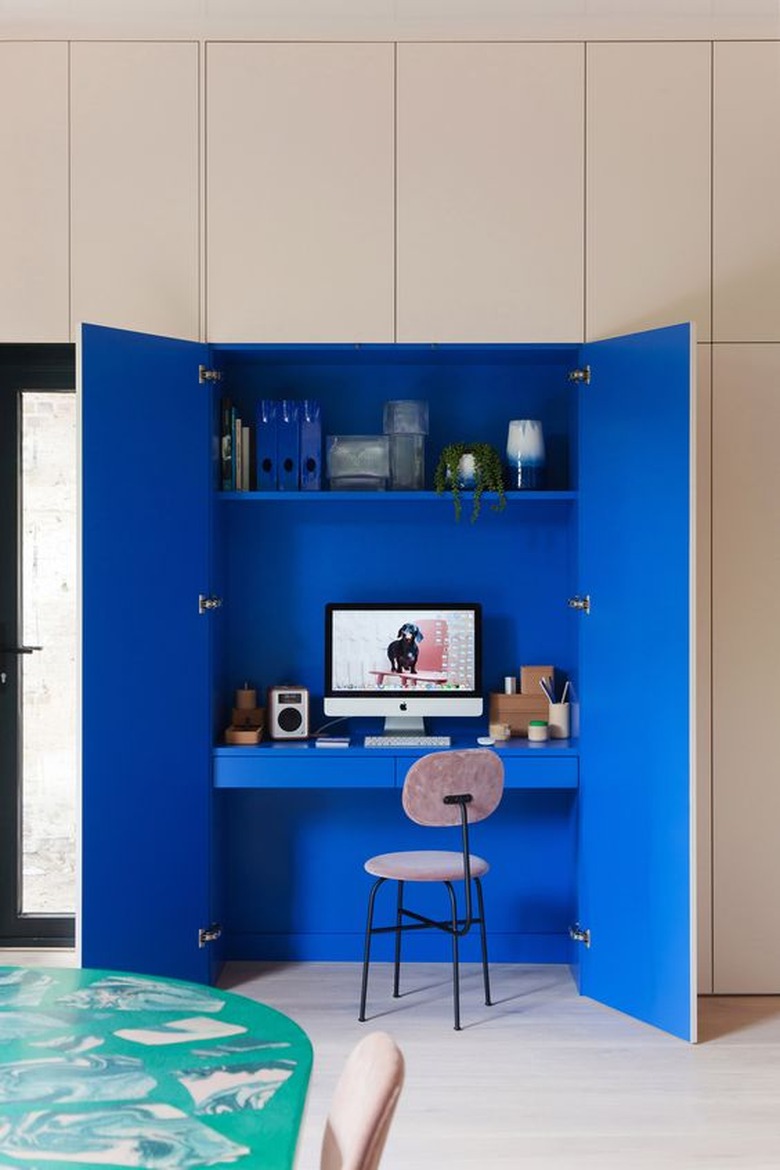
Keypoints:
pixel 103 1068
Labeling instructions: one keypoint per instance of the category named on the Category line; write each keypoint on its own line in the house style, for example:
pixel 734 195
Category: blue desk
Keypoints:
pixel 100 1068
pixel 301 820
pixel 294 764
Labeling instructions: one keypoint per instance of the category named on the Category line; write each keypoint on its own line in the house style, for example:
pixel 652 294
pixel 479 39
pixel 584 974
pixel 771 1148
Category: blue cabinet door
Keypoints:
pixel 635 865
pixel 146 722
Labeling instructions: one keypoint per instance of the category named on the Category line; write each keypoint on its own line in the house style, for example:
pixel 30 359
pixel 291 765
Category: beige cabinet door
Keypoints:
pixel 703 661
pixel 648 187
pixel 135 186
pixel 746 652
pixel 490 192
pixel 746 178
pixel 299 192
pixel 34 274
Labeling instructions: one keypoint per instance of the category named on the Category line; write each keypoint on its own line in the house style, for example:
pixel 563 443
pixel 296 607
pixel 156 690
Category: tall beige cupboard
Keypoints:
pixel 135 186
pixel 34 273
pixel 300 192
pixel 490 192
pixel 648 186
pixel 746 517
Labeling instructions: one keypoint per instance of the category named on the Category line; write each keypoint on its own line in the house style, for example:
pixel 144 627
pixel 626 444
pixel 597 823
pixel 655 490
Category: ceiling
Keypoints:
pixel 391 19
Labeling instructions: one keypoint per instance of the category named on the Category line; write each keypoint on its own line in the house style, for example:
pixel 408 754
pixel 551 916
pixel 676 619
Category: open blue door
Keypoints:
pixel 146 822
pixel 637 732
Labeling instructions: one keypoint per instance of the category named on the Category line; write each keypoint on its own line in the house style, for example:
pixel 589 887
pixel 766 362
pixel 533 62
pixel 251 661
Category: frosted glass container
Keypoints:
pixel 358 462
pixel 407 416
pixel 407 462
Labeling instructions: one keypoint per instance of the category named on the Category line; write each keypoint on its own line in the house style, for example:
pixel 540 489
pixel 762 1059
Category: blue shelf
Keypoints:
pixel 417 497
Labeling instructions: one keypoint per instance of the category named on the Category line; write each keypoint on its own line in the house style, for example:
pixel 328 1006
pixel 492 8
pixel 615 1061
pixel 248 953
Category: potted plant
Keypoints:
pixel 473 466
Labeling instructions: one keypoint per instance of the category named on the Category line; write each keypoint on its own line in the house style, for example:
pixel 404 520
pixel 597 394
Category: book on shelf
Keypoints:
pixel 239 454
pixel 226 445
pixel 235 450
pixel 246 457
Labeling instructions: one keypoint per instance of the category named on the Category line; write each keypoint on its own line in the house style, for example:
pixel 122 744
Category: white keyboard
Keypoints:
pixel 396 741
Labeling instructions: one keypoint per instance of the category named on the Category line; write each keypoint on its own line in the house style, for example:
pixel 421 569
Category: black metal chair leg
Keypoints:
pixel 455 959
pixel 367 946
pixel 483 935
pixel 398 932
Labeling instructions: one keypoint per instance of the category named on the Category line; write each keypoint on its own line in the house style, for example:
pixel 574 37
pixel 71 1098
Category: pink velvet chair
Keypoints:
pixel 363 1105
pixel 454 788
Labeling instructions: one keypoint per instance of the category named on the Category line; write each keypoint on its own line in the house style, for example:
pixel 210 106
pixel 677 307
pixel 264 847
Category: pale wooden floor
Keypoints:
pixel 542 1079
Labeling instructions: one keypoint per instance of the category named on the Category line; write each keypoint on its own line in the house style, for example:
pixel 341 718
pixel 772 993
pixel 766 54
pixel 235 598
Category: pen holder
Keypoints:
pixel 558 720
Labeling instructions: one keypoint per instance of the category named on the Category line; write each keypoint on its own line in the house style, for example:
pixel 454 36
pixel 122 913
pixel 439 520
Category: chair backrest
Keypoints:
pixel 477 771
pixel 363 1105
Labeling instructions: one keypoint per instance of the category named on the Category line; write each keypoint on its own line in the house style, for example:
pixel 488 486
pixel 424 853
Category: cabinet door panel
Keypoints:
pixel 34 278
pixel 134 114
pixel 704 665
pixel 746 177
pixel 490 192
pixel 648 187
pixel 638 704
pixel 746 650
pixel 299 196
pixel 146 824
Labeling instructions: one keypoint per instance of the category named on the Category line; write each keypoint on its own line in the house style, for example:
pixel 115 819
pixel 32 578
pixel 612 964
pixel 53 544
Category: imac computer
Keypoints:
pixel 403 661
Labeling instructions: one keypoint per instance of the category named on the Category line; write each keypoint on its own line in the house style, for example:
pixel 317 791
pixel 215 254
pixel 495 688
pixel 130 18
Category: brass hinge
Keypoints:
pixel 207 603
pixel 207 375
pixel 581 603
pixel 209 934
pixel 582 375
pixel 577 934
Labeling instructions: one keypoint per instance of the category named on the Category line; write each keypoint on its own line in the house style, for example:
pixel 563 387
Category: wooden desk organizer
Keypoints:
pixel 517 710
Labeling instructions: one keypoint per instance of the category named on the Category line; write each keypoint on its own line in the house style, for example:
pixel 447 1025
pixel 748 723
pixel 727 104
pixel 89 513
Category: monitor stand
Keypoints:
pixel 404 725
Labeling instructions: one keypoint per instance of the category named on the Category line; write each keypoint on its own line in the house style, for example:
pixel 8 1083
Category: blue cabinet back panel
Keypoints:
pixel 472 392
pixel 286 562
pixel 296 887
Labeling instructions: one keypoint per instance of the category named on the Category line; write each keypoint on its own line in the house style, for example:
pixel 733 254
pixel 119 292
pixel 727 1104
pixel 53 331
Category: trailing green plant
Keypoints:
pixel 488 475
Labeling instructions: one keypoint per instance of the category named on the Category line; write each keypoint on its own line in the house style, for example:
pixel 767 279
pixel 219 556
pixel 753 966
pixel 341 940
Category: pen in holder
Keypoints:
pixel 558 721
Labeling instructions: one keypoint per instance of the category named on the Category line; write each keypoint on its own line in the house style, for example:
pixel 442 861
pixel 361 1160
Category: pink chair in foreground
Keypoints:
pixel 363 1105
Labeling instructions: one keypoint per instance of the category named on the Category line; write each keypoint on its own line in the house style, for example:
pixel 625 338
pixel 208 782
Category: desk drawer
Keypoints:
pixel 527 772
pixel 328 771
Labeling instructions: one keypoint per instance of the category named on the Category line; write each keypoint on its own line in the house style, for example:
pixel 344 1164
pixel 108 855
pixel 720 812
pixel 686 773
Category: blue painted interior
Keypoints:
pixel 472 391
pixel 282 867
pixel 517 564
pixel 321 839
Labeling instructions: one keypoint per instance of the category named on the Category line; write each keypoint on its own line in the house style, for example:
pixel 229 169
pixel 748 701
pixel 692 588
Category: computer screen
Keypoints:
pixel 403 661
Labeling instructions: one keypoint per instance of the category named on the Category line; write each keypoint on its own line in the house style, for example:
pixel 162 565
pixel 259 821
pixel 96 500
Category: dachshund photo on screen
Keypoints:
pixel 403 651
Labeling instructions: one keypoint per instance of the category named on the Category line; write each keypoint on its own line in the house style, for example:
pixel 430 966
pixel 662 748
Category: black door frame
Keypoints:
pixel 22 367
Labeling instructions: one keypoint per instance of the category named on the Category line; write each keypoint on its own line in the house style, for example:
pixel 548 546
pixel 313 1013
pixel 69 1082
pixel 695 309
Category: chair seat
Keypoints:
pixel 427 865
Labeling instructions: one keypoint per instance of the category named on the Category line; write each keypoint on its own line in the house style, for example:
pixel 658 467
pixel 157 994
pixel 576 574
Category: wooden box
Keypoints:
pixel 529 679
pixel 517 710
pixel 243 735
